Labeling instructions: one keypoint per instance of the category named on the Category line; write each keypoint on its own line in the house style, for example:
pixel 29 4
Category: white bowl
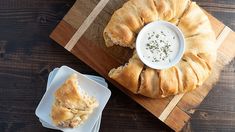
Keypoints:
pixel 154 28
pixel 101 93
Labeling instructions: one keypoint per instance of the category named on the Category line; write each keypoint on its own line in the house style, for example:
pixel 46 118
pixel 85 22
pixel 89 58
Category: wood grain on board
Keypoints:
pixel 27 55
pixel 90 49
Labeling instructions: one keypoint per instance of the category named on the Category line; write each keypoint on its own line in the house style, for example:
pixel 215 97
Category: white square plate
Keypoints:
pixel 101 93
pixel 98 79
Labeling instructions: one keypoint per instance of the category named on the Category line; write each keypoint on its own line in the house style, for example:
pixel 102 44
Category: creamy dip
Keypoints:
pixel 159 45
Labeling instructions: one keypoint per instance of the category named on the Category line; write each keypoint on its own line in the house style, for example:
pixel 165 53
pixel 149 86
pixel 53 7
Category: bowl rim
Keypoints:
pixel 181 44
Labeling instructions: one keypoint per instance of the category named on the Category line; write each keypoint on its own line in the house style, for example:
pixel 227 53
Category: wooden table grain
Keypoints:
pixel 27 55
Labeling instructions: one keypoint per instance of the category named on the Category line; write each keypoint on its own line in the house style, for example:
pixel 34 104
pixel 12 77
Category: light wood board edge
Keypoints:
pixel 85 25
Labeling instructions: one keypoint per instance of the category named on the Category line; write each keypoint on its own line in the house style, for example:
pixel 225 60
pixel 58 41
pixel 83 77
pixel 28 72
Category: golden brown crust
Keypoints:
pixel 199 66
pixel 203 46
pixel 150 83
pixel 128 75
pixel 168 82
pixel 171 10
pixel 69 95
pixel 146 10
pixel 194 22
pixel 189 78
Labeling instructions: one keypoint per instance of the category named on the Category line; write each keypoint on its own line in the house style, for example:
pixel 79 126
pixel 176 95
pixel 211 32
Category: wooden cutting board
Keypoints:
pixel 80 32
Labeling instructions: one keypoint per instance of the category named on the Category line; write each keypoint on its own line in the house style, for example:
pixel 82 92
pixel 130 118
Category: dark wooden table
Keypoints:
pixel 27 55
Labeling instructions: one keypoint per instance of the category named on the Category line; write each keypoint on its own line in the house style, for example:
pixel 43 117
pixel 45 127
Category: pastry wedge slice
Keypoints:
pixel 171 10
pixel 199 66
pixel 168 81
pixel 194 21
pixel 72 106
pixel 150 83
pixel 203 46
pixel 146 10
pixel 189 78
pixel 128 75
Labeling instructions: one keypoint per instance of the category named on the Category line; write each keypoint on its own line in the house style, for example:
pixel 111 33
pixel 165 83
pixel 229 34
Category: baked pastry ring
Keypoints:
pixel 195 65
